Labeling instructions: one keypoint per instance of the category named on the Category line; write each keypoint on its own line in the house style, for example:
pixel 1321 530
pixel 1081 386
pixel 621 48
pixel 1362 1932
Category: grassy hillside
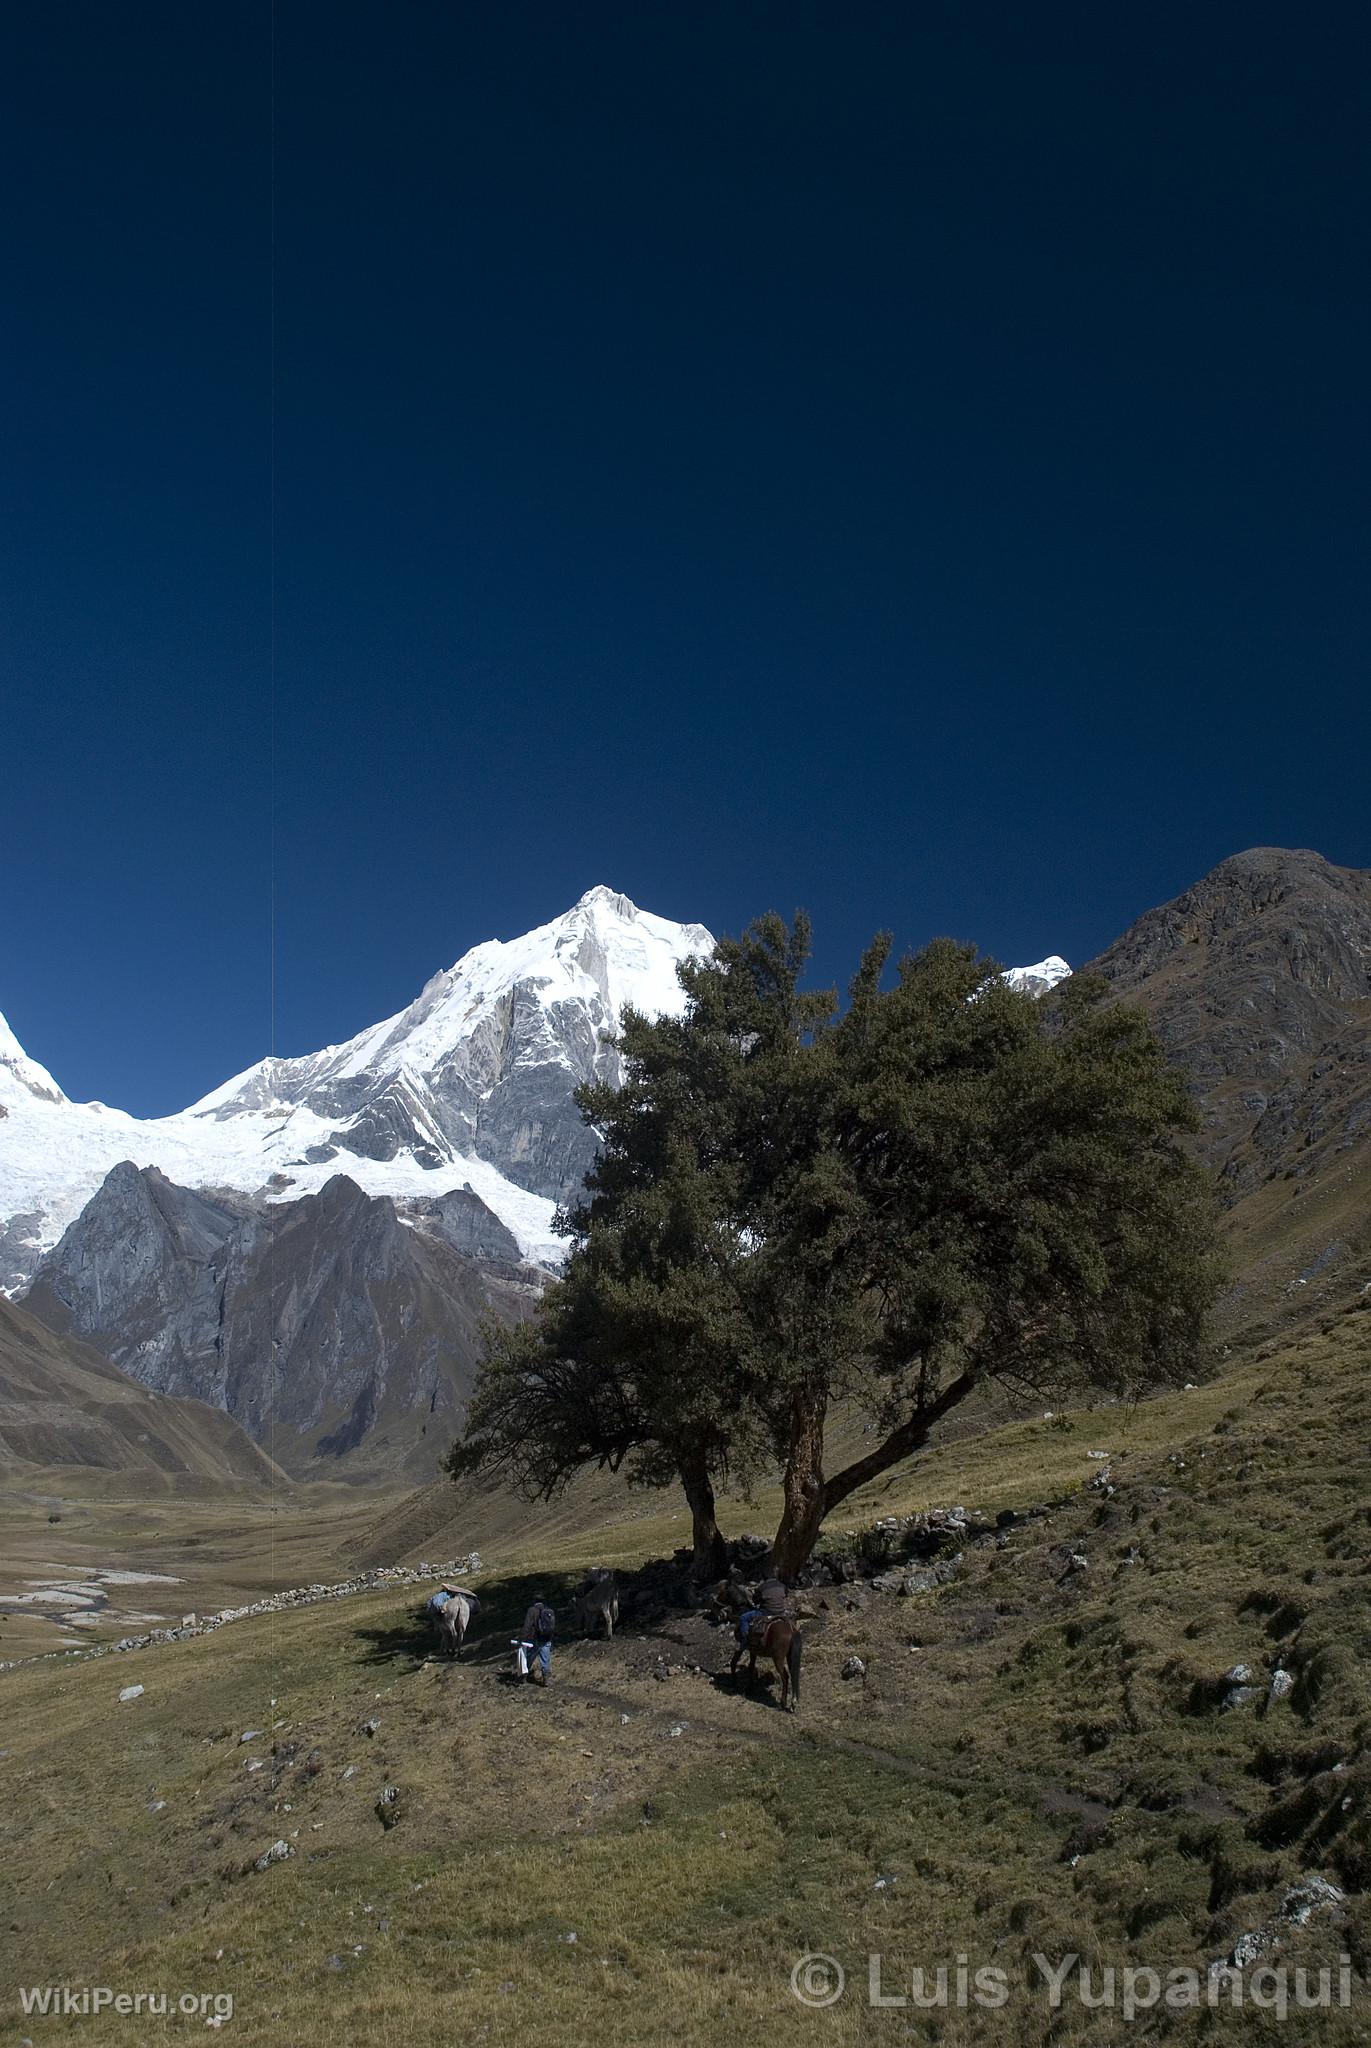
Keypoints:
pixel 1037 1758
pixel 64 1405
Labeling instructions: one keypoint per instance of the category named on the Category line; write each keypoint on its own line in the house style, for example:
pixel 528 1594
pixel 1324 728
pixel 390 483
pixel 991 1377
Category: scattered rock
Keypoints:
pixel 277 1853
pixel 926 1578
pixel 130 1692
pixel 370 1728
pixel 250 1735
pixel 853 1667
pixel 1308 1897
pixel 1249 1948
pixel 1282 1683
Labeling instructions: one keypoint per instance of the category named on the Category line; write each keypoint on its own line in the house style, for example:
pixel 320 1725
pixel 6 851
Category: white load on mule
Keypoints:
pixel 450 1610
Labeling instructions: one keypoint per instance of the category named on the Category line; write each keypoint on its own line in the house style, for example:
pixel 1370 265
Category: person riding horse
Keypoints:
pixel 766 1628
pixel 768 1603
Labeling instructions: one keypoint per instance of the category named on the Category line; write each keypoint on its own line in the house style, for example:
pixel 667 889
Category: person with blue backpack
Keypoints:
pixel 535 1638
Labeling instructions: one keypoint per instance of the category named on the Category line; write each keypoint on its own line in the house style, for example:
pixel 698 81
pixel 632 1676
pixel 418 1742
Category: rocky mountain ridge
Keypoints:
pixel 338 1325
pixel 1258 980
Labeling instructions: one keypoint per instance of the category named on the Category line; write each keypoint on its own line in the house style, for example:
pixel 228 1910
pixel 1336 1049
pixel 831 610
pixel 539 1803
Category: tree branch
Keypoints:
pixel 910 1435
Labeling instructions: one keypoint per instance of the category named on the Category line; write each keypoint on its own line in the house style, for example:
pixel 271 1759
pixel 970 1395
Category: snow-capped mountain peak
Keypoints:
pixel 470 1086
pixel 603 954
pixel 18 1071
pixel 1040 978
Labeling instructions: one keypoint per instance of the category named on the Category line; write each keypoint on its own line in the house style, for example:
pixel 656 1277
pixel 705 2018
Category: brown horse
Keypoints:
pixel 774 1636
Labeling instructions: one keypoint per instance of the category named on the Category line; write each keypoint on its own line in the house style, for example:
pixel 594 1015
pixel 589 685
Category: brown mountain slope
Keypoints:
pixel 63 1405
pixel 1258 979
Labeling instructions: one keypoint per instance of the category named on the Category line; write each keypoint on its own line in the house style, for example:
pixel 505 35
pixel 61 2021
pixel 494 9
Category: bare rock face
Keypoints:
pixel 329 1327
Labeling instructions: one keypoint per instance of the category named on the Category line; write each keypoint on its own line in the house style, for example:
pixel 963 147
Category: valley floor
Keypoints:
pixel 1038 1760
pixel 81 1564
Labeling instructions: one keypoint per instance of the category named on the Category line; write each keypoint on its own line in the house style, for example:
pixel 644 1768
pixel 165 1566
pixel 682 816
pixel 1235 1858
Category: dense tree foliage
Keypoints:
pixel 947 1184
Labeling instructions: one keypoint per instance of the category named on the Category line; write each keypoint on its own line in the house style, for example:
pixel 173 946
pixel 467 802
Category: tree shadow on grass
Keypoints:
pixel 410 1639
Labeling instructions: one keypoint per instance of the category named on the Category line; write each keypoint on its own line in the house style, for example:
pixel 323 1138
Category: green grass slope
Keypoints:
pixel 1036 1760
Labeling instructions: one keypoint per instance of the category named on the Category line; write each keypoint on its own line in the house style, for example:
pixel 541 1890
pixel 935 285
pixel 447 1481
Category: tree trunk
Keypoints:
pixel 711 1555
pixel 802 1485
pixel 809 1496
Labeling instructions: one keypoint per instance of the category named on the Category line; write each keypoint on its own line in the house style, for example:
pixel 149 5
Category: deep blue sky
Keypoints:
pixel 905 460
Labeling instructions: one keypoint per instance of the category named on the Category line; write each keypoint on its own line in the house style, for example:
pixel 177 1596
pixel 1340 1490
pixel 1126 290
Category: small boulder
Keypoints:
pixel 130 1692
pixel 1250 1948
pixel 1308 1897
pixel 853 1667
pixel 277 1853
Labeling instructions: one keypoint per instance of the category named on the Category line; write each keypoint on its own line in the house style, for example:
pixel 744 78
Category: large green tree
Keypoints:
pixel 642 1355
pixel 948 1184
